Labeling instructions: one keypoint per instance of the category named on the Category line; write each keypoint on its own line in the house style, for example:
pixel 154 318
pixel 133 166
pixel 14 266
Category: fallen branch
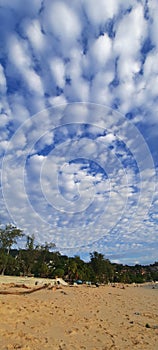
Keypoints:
pixel 20 286
pixel 24 292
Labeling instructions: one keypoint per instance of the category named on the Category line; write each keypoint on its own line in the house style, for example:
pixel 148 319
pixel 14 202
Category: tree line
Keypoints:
pixel 45 261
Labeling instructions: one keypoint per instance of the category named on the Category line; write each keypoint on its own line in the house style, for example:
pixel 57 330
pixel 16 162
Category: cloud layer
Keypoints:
pixel 78 144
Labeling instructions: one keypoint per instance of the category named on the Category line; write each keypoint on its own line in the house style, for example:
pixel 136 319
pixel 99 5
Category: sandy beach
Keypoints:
pixel 78 317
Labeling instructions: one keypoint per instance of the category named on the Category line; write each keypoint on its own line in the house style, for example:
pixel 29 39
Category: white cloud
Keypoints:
pixel 34 81
pixel 19 111
pixel 100 92
pixel 35 164
pixel 99 14
pixel 18 53
pixel 35 35
pixel 153 8
pixel 128 69
pixel 63 22
pixel 130 33
pixel 20 56
pixel 57 100
pixel 58 71
pixel 3 120
pixel 101 50
pixel 3 84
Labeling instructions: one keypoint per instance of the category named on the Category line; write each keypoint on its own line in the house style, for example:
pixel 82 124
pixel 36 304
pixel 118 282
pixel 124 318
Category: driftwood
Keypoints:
pixel 24 292
pixel 20 286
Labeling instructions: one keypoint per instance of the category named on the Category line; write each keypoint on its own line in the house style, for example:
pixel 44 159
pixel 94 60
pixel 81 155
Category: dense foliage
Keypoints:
pixel 45 261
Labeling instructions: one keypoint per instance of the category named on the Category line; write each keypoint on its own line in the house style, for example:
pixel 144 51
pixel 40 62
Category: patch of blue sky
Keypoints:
pixel 115 83
pixel 127 10
pixel 15 84
pixel 147 46
pixel 108 27
pixel 68 80
pixel 146 10
pixel 68 132
pixel 91 168
pixel 116 103
pixel 128 162
pixel 7 22
pixel 59 136
pixel 134 112
pixel 143 57
pixel 42 147
pixel 84 40
pixel 153 216
pixel 59 91
pixel 92 132
pixel 135 189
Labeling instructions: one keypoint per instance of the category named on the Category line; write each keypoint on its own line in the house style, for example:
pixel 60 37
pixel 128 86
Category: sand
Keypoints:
pixel 78 317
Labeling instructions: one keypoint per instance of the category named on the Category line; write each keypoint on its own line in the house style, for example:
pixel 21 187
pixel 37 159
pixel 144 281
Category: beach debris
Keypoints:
pixel 147 325
pixel 122 287
pixel 31 290
pixel 155 326
pixel 52 287
pixel 150 326
pixel 62 291
pixel 60 281
pixel 78 282
pixel 17 285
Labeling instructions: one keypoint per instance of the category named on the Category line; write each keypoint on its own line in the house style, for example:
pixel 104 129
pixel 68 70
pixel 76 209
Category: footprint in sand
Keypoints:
pixel 72 331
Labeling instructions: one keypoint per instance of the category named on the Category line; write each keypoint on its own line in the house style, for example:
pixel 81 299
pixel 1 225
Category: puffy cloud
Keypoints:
pixel 153 8
pixel 63 22
pixel 130 33
pixel 58 71
pixel 3 84
pixel 34 33
pixel 19 109
pixel 20 56
pixel 101 50
pixel 99 14
pixel 18 53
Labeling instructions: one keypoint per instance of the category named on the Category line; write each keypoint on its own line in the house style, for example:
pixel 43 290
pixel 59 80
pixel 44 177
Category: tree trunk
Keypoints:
pixel 3 270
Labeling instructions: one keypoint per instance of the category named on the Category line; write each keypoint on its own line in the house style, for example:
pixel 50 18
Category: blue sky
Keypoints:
pixel 79 125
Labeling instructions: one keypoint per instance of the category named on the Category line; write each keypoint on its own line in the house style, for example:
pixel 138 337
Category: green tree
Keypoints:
pixel 58 272
pixel 35 258
pixel 102 267
pixel 8 237
pixel 97 264
pixel 72 269
pixel 27 256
